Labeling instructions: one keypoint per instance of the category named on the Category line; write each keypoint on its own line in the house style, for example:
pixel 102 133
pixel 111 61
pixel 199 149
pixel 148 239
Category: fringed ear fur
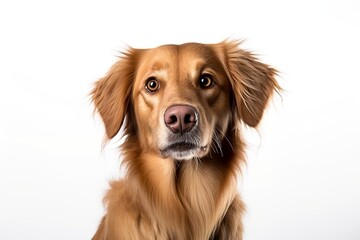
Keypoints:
pixel 111 94
pixel 253 83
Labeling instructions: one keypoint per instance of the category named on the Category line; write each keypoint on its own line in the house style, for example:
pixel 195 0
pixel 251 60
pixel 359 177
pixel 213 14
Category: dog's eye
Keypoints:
pixel 206 81
pixel 152 85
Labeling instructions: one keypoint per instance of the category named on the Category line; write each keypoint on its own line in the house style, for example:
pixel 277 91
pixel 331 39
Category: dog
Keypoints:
pixel 180 108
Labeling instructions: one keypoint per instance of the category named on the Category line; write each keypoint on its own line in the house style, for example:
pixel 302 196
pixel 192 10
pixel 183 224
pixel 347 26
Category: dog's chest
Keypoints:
pixel 202 193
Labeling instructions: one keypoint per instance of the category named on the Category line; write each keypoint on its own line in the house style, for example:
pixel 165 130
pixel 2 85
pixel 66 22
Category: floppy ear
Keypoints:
pixel 111 94
pixel 253 82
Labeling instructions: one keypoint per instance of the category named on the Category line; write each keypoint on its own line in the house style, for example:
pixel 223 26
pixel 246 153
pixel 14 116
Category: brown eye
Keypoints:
pixel 152 85
pixel 206 81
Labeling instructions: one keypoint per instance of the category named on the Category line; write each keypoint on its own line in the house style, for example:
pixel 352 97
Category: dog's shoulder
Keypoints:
pixel 125 218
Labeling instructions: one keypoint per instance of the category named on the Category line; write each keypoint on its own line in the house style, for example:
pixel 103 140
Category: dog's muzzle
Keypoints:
pixel 184 138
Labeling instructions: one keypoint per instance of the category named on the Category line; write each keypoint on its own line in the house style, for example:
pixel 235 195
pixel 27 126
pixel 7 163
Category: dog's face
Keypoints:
pixel 181 100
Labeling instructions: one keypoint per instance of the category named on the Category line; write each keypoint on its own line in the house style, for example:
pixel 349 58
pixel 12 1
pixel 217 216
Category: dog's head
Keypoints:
pixel 180 101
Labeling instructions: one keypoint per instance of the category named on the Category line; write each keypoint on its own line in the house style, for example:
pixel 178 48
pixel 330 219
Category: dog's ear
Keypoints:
pixel 111 94
pixel 252 82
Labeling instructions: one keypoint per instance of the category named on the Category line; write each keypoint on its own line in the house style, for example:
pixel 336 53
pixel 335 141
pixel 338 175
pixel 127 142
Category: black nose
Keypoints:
pixel 180 118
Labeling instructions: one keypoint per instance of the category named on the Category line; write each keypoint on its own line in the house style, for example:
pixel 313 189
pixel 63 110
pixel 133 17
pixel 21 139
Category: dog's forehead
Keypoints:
pixel 170 56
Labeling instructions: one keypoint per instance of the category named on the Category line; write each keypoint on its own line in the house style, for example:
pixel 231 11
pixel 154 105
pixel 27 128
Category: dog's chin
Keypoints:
pixel 183 151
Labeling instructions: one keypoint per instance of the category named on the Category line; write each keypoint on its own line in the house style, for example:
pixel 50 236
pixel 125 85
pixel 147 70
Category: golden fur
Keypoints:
pixel 173 194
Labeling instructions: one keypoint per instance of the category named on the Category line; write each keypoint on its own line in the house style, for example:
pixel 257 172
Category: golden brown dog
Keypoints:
pixel 181 107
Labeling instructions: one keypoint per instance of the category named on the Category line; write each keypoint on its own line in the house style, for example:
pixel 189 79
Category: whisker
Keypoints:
pixel 226 138
pixel 217 142
pixel 213 146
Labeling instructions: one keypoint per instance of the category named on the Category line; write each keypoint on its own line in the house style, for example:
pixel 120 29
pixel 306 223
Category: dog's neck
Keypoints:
pixel 197 192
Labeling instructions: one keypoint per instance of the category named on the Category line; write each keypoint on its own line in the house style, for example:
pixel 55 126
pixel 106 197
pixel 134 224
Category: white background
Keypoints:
pixel 303 175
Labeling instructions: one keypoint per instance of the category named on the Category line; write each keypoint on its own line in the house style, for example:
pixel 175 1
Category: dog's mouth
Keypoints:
pixel 181 146
pixel 182 150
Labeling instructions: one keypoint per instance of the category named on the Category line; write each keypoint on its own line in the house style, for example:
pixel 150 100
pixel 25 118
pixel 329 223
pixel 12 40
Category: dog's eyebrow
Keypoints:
pixel 153 69
pixel 213 63
pixel 159 66
pixel 210 68
pixel 157 73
